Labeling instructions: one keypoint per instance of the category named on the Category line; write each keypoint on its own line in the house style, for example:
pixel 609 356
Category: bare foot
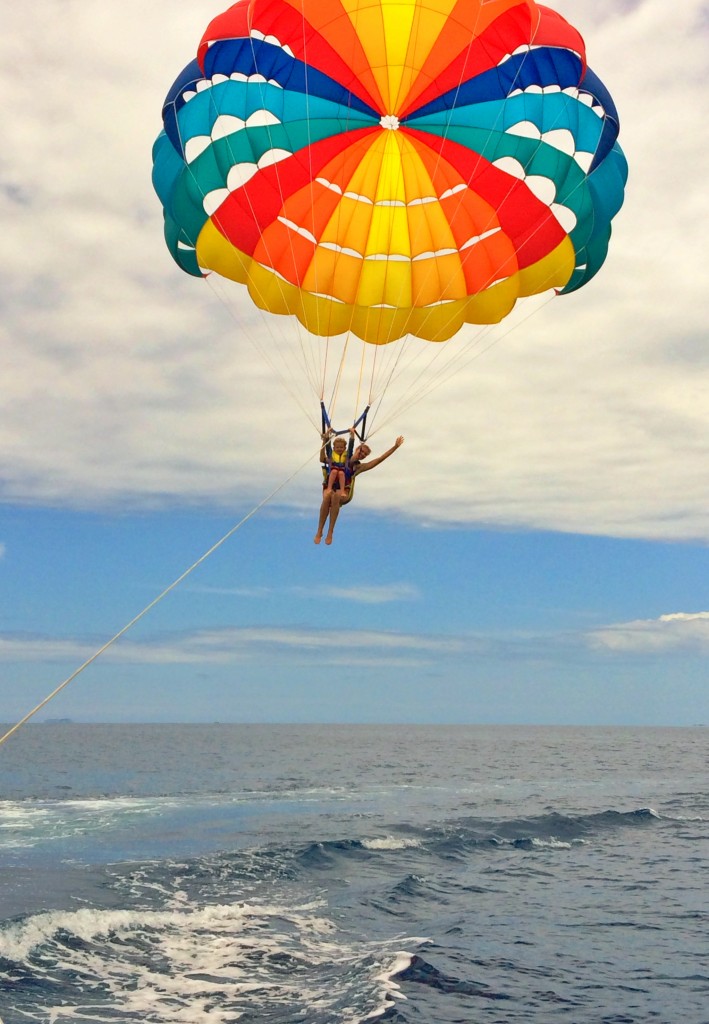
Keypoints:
pixel 318 538
pixel 328 539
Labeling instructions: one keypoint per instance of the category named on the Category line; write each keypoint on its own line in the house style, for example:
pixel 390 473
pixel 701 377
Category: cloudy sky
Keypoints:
pixel 535 552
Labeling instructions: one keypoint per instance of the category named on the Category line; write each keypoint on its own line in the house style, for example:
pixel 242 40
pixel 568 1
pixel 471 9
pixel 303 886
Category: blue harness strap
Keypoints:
pixel 327 425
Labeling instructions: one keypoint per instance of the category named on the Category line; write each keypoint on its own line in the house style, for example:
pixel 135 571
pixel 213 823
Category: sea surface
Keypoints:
pixel 207 874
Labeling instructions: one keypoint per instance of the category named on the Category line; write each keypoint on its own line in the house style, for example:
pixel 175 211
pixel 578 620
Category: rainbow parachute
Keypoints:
pixel 390 166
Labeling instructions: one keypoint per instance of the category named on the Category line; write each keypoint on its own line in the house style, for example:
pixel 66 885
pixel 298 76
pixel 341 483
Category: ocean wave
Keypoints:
pixel 457 839
pixel 420 972
pixel 25 823
pixel 390 843
pixel 552 843
pixel 33 825
pixel 281 962
pixel 547 831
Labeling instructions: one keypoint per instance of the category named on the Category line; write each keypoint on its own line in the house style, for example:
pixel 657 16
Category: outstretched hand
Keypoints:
pixel 399 441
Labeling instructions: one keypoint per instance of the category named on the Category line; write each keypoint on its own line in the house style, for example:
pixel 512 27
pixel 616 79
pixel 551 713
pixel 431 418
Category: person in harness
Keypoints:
pixel 336 467
pixel 334 497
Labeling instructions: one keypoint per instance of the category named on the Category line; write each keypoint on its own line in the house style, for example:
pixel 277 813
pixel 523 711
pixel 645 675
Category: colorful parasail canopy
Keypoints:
pixel 390 166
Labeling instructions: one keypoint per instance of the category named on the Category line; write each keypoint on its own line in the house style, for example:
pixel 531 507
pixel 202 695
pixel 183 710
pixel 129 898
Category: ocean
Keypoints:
pixel 208 874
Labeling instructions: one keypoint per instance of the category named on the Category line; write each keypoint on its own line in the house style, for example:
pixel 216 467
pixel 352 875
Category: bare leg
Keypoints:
pixel 334 513
pixel 324 512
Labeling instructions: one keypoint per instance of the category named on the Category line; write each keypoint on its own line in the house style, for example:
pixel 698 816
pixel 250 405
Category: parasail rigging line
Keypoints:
pixel 424 383
pixel 421 387
pixel 417 391
pixel 323 356
pixel 462 358
pixel 156 600
pixel 223 291
pixel 312 350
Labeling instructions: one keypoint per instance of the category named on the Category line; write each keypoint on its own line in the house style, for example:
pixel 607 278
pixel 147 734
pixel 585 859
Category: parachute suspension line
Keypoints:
pixel 339 374
pixel 406 351
pixel 314 363
pixel 539 146
pixel 449 360
pixel 446 359
pixel 306 67
pixel 464 356
pixel 289 373
pixel 388 373
pixel 374 399
pixel 315 351
pixel 373 376
pixel 490 132
pixel 379 381
pixel 467 353
pixel 354 421
pixel 323 361
pixel 368 351
pixel 473 36
pixel 217 286
pixel 308 358
pixel 346 347
pixel 362 362
pixel 424 384
pixel 153 603
pixel 267 321
pixel 453 360
pixel 323 377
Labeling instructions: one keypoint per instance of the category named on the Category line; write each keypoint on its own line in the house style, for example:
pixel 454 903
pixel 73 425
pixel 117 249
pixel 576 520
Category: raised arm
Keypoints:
pixel 364 466
pixel 326 449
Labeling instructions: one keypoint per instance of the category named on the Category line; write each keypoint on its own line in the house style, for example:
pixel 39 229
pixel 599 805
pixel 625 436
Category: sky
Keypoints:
pixel 536 551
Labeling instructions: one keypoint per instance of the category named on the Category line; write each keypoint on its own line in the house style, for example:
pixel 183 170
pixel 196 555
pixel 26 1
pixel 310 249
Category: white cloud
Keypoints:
pixel 126 382
pixel 227 645
pixel 383 593
pixel 675 633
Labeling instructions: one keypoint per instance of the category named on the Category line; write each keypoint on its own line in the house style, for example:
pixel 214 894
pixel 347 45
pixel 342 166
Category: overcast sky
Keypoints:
pixel 535 552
